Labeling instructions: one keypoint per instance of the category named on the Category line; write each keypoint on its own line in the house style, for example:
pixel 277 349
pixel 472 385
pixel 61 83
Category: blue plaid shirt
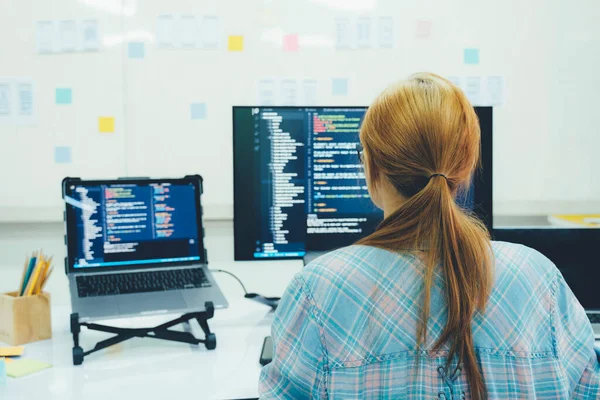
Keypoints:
pixel 346 328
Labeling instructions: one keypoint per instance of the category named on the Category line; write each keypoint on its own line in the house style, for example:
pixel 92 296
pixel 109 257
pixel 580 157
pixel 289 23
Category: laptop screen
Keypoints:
pixel 132 223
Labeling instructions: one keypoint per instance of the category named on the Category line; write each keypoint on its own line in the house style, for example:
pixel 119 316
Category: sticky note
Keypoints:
pixel 339 86
pixel 198 110
pixel 2 372
pixel 471 56
pixel 25 367
pixel 64 96
pixel 11 351
pixel 106 124
pixel 423 29
pixel 290 43
pixel 136 50
pixel 62 155
pixel 236 43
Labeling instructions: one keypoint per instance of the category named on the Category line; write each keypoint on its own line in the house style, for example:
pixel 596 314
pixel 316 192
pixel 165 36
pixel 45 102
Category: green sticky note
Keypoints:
pixel 63 96
pixel 24 367
pixel 471 56
pixel 2 372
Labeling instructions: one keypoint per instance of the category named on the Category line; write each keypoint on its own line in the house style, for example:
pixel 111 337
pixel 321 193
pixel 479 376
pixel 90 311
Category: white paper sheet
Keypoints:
pixel 289 92
pixel 210 32
pixel 44 36
pixel 266 92
pixel 90 37
pixel 363 33
pixel 385 29
pixel 68 36
pixel 309 92
pixel 473 90
pixel 188 31
pixel 165 31
pixel 495 90
pixel 343 34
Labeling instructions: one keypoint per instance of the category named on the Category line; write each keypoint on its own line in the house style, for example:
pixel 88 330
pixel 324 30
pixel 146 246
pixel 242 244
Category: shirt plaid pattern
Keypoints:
pixel 346 328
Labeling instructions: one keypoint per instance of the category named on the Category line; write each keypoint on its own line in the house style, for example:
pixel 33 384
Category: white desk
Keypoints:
pixel 149 368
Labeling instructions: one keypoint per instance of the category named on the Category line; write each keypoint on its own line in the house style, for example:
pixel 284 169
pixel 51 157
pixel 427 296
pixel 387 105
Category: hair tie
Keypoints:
pixel 434 175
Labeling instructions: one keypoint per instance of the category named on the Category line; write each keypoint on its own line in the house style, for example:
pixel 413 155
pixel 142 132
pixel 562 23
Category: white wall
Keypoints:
pixel 546 132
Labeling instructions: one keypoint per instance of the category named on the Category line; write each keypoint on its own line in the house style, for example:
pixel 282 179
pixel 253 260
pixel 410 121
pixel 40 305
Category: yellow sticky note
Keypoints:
pixel 11 351
pixel 236 43
pixel 19 368
pixel 106 124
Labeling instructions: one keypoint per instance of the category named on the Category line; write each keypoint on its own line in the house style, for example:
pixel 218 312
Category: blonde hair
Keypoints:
pixel 421 127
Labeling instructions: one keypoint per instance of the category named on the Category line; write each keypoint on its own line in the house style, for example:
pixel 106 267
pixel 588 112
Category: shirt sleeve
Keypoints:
pixel 575 344
pixel 298 366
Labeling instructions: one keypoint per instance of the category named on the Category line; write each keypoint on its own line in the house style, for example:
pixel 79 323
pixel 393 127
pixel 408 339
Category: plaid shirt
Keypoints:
pixel 346 328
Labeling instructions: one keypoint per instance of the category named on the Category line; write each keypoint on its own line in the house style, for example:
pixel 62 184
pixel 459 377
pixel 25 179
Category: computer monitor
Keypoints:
pixel 574 251
pixel 299 185
pixel 133 222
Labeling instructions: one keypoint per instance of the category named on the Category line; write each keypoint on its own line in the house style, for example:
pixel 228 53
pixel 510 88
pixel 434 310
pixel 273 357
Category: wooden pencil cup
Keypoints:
pixel 24 319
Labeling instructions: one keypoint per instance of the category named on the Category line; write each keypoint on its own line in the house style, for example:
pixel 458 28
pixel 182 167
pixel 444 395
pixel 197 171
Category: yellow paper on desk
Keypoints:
pixel 11 351
pixel 24 367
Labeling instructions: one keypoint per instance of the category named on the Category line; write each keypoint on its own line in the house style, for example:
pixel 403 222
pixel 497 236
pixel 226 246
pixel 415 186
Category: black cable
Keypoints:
pixel 272 302
pixel 235 277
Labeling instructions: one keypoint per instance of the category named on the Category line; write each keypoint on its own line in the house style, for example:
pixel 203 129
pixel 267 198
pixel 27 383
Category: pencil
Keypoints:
pixel 46 279
pixel 43 276
pixel 30 268
pixel 23 275
pixel 34 277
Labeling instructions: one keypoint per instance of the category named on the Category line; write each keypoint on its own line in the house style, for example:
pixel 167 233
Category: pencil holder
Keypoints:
pixel 24 319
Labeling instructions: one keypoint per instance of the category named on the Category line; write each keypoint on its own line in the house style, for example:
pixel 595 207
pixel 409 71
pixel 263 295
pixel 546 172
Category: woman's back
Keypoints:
pixel 346 328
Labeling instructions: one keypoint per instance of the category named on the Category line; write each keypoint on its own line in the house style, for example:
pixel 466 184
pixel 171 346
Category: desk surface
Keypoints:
pixel 148 368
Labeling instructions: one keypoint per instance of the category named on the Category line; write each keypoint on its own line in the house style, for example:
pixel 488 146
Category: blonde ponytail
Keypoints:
pixel 423 137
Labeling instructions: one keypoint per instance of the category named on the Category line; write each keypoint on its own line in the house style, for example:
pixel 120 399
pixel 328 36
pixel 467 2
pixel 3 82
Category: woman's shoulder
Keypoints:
pixel 355 266
pixel 513 258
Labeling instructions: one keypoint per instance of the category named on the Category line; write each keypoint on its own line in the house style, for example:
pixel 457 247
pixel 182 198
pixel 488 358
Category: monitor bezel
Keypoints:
pixel 71 223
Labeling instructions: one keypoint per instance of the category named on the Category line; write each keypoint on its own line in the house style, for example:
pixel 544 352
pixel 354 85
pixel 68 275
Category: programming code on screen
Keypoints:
pixel 135 224
pixel 312 182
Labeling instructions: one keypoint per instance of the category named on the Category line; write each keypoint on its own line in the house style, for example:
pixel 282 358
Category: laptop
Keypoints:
pixel 135 247
pixel 575 253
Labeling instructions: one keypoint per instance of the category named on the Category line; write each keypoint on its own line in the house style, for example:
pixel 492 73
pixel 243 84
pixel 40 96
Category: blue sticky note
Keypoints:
pixel 471 56
pixel 339 86
pixel 64 96
pixel 62 155
pixel 136 49
pixel 2 372
pixel 198 110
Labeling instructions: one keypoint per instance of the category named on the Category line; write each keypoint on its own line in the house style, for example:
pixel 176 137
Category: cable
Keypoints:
pixel 235 277
pixel 272 302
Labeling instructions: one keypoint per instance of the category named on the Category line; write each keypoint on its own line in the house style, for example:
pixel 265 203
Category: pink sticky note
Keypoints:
pixel 290 42
pixel 423 29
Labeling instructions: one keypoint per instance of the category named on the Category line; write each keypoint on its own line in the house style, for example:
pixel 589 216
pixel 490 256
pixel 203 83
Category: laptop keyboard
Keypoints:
pixel 594 318
pixel 141 282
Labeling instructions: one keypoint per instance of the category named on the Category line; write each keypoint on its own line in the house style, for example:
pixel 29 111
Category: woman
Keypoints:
pixel 427 306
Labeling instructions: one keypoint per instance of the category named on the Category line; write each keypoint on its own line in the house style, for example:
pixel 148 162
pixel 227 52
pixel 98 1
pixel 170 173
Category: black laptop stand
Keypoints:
pixel 158 332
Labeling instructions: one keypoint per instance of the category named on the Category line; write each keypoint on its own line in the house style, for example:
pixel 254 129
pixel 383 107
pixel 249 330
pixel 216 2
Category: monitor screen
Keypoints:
pixel 299 185
pixel 112 224
pixel 573 251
